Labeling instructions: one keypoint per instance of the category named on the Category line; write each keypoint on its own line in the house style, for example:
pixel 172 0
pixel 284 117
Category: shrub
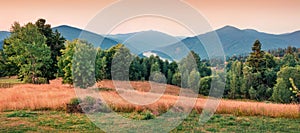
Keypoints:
pixel 38 80
pixel 75 101
pixel 147 115
pixel 89 100
pixel 87 105
pixel 73 106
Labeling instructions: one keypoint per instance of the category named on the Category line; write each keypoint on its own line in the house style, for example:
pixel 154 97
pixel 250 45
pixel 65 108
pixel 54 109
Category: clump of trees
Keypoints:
pixel 118 63
pixel 31 52
pixel 262 76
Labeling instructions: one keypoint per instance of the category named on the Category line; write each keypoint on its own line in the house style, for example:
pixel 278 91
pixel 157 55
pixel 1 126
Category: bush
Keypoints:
pixel 87 105
pixel 38 80
pixel 205 84
pixel 73 106
pixel 75 101
pixel 144 115
pixel 89 100
pixel 147 115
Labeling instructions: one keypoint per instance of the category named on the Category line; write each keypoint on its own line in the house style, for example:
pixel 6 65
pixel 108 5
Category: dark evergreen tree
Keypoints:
pixel 55 41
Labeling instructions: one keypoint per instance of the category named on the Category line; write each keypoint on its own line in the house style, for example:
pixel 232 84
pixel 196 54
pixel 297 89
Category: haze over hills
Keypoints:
pixel 71 33
pixel 140 42
pixel 234 41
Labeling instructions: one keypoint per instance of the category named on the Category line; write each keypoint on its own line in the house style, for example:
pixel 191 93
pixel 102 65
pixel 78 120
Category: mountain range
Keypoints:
pixel 139 42
pixel 71 33
pixel 234 41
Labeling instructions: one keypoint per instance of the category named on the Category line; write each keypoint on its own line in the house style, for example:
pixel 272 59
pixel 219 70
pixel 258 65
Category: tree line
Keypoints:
pixel 37 54
pixel 263 76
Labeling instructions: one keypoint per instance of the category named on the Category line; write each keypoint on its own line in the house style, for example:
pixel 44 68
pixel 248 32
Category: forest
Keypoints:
pixel 36 54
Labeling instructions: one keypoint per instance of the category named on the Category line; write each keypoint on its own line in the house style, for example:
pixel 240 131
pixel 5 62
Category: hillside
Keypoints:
pixel 236 41
pixel 71 33
pixel 139 42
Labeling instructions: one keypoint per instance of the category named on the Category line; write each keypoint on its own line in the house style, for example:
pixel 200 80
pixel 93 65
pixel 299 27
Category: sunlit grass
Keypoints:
pixel 54 96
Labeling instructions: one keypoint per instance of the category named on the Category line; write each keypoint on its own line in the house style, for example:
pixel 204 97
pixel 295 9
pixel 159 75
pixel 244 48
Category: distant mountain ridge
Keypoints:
pixel 71 33
pixel 234 41
pixel 139 42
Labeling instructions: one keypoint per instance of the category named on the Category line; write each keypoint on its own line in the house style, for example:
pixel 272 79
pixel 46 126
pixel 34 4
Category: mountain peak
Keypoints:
pixel 65 26
pixel 228 27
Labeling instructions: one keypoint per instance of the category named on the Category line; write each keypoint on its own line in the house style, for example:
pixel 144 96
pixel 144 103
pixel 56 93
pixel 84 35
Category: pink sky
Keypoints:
pixel 271 16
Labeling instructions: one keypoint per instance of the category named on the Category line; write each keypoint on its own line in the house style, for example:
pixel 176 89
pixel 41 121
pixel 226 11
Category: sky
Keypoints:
pixel 270 16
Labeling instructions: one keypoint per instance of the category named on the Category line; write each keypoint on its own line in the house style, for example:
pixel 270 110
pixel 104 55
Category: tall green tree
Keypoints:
pixel 78 63
pixel 83 67
pixel 205 85
pixel 176 79
pixel 109 54
pixel 255 76
pixel 257 59
pixel 289 60
pixel 236 79
pixel 193 80
pixel 27 48
pixel 100 65
pixel 55 41
pixel 121 63
pixel 8 67
pixel 155 67
pixel 135 70
pixel 193 61
pixel 282 91
pixel 169 76
pixel 65 62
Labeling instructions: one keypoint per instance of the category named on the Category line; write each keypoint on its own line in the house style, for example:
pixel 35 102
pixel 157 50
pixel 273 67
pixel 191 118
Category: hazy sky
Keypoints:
pixel 271 16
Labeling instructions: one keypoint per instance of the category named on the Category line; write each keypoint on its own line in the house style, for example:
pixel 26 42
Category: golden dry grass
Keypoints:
pixel 56 95
pixel 28 96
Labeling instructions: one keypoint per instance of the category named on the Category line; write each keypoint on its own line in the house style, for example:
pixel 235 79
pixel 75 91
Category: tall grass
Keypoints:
pixel 56 95
pixel 33 97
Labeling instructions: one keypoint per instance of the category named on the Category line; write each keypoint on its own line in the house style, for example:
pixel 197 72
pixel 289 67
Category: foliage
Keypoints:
pixel 176 80
pixel 27 49
pixel 193 80
pixel 121 63
pixel 281 92
pixel 295 89
pixel 65 62
pixel 75 101
pixel 77 64
pixel 235 79
pixel 205 84
pixel 55 42
pixel 83 64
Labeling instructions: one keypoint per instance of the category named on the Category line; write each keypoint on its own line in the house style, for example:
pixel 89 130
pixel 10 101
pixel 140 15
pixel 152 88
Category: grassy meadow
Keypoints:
pixel 59 121
pixel 41 108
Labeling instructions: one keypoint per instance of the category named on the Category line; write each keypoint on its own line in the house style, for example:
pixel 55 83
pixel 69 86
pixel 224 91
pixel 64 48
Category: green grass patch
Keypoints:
pixel 58 121
pixel 21 114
